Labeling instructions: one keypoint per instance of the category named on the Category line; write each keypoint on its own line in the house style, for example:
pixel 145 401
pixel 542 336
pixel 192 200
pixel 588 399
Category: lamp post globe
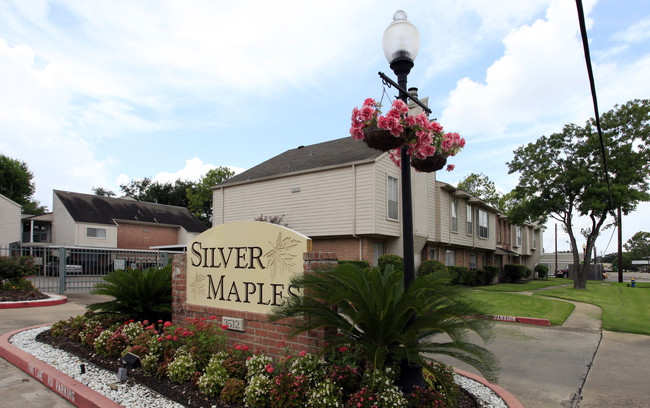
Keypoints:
pixel 401 42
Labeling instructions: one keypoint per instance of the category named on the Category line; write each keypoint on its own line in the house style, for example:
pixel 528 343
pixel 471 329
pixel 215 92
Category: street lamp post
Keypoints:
pixel 401 42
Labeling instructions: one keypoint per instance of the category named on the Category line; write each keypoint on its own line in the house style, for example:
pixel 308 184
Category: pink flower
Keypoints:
pixel 238 347
pixel 269 368
pixel 160 339
pixel 175 338
pixel 213 317
pixel 145 323
pixel 303 353
pixel 450 167
pixel 167 323
pixel 343 349
pixel 169 337
pixel 245 348
pixel 160 321
pixel 186 333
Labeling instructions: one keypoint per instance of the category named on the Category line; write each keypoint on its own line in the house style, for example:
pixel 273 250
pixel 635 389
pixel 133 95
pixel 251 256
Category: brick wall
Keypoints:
pixel 135 236
pixel 259 334
pixel 346 248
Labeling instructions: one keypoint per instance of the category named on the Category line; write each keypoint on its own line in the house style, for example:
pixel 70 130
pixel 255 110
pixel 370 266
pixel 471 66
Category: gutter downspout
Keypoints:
pixel 354 210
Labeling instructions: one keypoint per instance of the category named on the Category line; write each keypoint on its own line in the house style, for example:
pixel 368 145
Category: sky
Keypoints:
pixel 99 93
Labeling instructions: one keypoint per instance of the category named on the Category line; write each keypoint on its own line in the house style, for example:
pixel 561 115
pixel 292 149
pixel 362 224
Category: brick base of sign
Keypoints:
pixel 259 333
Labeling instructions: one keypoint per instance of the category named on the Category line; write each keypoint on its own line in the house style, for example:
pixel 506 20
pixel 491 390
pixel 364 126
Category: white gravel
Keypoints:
pixel 132 395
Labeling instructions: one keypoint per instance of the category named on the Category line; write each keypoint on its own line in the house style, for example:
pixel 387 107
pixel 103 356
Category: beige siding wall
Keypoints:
pixel 320 203
pixel 10 226
pixel 64 231
pixel 109 242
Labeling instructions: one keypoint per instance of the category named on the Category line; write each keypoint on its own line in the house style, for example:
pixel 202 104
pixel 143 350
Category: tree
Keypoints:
pixel 200 197
pixel 562 175
pixel 16 184
pixel 101 191
pixel 479 185
pixel 639 245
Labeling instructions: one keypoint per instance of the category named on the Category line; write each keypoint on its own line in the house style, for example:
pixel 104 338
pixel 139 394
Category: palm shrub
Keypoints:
pixel 140 294
pixel 372 310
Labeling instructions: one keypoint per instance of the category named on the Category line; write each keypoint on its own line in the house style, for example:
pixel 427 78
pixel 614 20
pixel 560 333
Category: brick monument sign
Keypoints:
pixel 239 272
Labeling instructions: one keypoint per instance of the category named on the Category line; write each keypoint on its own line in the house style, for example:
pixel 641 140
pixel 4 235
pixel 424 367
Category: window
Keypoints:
pixel 95 232
pixel 377 251
pixel 499 238
pixel 454 215
pixel 518 235
pixel 534 239
pixel 393 201
pixel 450 257
pixel 473 259
pixel 470 228
pixel 432 253
pixel 483 224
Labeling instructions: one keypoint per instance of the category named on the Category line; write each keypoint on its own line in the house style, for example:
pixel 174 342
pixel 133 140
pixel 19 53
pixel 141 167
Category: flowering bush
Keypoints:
pixel 233 391
pixel 423 137
pixel 425 398
pixel 257 394
pixel 211 383
pixel 182 367
pixel 288 390
pixel 325 394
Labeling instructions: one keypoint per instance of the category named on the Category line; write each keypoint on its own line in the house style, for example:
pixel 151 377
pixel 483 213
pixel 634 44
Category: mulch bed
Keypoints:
pixel 21 295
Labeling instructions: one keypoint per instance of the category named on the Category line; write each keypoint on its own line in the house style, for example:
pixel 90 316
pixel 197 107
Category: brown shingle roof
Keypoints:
pixel 104 210
pixel 334 152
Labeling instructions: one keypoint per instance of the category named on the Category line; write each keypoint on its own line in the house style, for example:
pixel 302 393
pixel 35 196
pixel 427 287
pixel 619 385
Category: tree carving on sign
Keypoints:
pixel 198 284
pixel 280 256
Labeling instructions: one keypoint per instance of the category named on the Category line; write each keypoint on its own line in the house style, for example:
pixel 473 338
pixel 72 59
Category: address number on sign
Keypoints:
pixel 234 323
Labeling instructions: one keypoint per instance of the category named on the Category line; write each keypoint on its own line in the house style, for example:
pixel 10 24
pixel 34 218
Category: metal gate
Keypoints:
pixel 74 269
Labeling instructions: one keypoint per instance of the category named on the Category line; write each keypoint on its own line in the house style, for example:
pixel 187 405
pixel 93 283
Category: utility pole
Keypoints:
pixel 620 245
pixel 555 247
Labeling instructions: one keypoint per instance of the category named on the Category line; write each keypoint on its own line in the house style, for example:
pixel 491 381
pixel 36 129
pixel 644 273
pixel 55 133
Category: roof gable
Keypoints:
pixel 325 154
pixel 105 210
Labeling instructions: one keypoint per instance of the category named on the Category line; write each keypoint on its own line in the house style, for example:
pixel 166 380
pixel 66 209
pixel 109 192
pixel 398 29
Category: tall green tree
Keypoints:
pixel 200 196
pixel 16 184
pixel 639 245
pixel 562 176
pixel 101 191
pixel 480 185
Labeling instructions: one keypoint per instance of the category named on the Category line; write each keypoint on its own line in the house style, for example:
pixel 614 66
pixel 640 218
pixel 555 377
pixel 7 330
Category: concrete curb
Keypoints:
pixel 67 387
pixel 525 320
pixel 508 398
pixel 54 300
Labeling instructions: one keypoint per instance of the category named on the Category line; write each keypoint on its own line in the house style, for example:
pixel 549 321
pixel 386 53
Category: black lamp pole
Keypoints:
pixel 401 41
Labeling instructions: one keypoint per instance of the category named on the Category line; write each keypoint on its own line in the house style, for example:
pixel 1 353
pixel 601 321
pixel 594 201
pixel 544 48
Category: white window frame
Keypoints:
pixel 483 224
pixel 392 198
pixel 518 235
pixel 470 225
pixel 450 257
pixel 473 261
pixel 454 215
pixel 98 233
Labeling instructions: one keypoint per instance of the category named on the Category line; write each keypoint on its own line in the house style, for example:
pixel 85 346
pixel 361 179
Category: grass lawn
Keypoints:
pixel 625 309
pixel 513 304
pixel 526 285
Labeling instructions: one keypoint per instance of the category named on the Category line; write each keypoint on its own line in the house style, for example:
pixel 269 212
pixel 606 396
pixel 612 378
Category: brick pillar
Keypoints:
pixel 259 334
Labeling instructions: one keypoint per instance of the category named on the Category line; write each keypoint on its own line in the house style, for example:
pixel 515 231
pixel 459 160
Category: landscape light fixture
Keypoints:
pixel 129 361
pixel 400 43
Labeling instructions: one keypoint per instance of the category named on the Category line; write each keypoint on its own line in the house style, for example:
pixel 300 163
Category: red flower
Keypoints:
pixel 343 349
pixel 167 323
pixel 213 317
pixel 224 326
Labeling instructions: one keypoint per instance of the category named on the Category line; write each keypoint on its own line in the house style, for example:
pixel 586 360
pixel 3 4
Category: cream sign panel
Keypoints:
pixel 244 266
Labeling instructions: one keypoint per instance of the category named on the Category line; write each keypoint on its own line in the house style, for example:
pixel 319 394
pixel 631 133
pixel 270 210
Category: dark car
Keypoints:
pixel 562 273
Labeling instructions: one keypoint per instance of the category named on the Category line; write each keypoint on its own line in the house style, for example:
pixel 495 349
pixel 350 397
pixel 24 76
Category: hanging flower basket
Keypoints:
pixel 429 164
pixel 382 139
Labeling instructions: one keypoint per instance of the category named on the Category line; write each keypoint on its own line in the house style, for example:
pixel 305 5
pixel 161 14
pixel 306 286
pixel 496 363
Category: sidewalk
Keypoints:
pixel 16 386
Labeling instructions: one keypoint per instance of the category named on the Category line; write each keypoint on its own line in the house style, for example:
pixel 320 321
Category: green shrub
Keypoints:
pixel 325 394
pixel 462 275
pixel 182 367
pixel 212 382
pixel 486 275
pixel 15 268
pixel 515 272
pixel 396 261
pixel 359 264
pixel 542 271
pixel 431 267
pixel 145 294
pixel 289 391
pixel 257 392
